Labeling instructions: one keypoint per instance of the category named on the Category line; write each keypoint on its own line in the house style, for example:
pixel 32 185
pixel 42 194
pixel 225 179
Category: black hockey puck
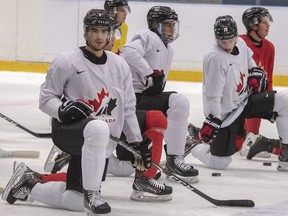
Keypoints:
pixel 267 164
pixel 216 174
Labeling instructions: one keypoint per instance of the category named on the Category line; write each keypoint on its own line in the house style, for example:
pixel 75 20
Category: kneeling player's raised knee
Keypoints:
pixel 179 105
pixel 97 131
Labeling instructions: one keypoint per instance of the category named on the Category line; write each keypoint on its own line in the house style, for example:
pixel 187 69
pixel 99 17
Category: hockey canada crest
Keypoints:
pixel 103 106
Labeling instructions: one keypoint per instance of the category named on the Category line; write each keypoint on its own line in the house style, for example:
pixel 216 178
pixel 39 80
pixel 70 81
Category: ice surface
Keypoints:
pixel 243 179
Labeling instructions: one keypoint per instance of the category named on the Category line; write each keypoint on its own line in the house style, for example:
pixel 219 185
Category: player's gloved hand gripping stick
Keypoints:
pixel 218 122
pixel 145 149
pixel 239 203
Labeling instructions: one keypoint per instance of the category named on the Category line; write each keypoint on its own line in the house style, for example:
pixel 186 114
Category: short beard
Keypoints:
pixel 95 49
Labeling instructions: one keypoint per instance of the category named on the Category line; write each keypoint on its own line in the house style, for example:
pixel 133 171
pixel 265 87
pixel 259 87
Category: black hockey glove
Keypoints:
pixel 155 83
pixel 257 79
pixel 145 148
pixel 210 128
pixel 74 110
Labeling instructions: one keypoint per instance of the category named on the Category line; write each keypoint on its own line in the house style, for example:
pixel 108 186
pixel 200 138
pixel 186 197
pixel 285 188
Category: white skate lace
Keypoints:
pixel 157 184
pixel 21 193
pixel 180 163
pixel 95 199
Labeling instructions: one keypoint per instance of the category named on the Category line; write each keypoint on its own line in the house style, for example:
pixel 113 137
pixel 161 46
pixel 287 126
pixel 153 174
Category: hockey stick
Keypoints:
pixel 40 135
pixel 23 154
pixel 188 150
pixel 239 203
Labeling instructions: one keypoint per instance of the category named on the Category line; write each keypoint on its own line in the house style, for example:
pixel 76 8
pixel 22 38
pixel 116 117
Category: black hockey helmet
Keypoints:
pixel 157 15
pixel 225 28
pixel 97 17
pixel 252 16
pixel 111 6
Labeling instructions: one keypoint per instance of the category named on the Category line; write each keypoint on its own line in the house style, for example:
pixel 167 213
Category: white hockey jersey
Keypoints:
pixel 146 52
pixel 225 81
pixel 107 86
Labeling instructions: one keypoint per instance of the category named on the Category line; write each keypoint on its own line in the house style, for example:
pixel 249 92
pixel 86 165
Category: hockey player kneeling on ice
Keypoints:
pixel 149 55
pixel 229 71
pixel 257 21
pixel 145 187
pixel 90 80
pixel 153 124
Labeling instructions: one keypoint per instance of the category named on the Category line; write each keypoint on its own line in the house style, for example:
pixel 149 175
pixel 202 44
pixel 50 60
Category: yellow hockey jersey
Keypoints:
pixel 118 44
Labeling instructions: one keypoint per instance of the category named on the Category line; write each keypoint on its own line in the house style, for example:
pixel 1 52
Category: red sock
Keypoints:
pixel 156 124
pixel 54 177
pixel 252 125
pixel 275 151
pixel 239 142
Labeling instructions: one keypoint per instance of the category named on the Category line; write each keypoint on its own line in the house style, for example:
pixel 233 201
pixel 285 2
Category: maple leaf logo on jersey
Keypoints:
pixel 103 106
pixel 240 85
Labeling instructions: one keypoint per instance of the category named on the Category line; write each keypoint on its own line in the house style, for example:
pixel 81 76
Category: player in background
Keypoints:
pixel 228 72
pixel 118 10
pixel 149 56
pixel 78 83
pixel 257 22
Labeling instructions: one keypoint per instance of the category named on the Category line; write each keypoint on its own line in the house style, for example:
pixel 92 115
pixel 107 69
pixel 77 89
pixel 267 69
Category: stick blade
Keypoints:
pixel 25 154
pixel 238 203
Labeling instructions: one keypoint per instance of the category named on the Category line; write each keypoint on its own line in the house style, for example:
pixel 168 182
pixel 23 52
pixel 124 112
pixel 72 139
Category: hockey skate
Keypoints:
pixel 176 165
pixel 56 160
pixel 249 141
pixel 283 158
pixel 94 204
pixel 262 145
pixel 150 190
pixel 20 185
pixel 18 173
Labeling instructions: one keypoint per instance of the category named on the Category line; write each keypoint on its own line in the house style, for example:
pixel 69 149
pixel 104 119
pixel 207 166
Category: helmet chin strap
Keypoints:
pixel 254 40
pixel 258 34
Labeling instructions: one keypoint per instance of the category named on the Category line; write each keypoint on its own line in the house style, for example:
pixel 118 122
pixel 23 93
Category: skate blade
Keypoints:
pixel 263 155
pixel 282 166
pixel 99 211
pixel 142 196
pixel 14 180
pixel 90 213
pixel 50 161
pixel 190 179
